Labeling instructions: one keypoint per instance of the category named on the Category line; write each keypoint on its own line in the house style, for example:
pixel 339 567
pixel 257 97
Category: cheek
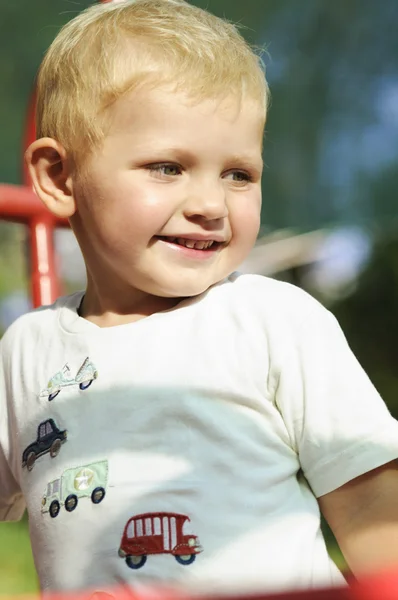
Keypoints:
pixel 245 220
pixel 120 212
pixel 136 204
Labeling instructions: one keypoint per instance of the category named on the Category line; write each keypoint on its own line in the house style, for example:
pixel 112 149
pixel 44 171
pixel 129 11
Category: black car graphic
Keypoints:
pixel 49 439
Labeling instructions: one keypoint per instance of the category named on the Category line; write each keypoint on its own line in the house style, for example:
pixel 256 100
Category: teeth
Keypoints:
pixel 196 244
pixel 187 243
pixel 200 245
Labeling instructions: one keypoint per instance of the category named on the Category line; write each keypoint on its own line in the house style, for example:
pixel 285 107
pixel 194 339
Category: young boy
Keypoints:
pixel 178 424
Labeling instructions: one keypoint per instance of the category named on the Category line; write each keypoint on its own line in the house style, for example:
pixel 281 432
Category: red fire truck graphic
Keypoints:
pixel 158 533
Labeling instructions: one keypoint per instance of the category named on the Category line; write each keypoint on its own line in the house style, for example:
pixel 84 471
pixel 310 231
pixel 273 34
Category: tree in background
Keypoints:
pixel 333 70
pixel 369 318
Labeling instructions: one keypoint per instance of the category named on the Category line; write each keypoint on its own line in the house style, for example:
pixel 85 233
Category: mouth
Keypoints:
pixel 192 244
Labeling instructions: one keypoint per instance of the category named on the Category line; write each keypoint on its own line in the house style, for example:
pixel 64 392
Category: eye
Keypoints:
pixel 165 169
pixel 240 177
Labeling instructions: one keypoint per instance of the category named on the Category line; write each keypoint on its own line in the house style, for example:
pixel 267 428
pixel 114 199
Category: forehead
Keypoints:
pixel 165 114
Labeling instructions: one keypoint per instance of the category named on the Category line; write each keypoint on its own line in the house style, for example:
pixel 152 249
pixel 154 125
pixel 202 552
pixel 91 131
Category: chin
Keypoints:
pixel 187 290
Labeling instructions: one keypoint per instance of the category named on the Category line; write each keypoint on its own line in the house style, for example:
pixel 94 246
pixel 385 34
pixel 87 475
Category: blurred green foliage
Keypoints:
pixel 369 318
pixel 12 258
pixel 332 130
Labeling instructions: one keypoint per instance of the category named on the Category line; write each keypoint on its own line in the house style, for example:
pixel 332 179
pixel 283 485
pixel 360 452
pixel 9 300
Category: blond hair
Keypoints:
pixel 111 49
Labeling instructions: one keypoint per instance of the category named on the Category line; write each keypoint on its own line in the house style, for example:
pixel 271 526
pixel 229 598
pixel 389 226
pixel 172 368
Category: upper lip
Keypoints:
pixel 198 237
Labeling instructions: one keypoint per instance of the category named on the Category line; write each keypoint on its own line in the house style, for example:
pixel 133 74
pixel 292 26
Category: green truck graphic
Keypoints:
pixel 88 481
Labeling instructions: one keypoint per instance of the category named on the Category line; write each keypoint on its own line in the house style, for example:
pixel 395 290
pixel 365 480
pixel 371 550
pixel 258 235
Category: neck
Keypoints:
pixel 110 310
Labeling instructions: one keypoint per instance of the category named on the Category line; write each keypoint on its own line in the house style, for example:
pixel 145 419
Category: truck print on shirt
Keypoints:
pixel 158 533
pixel 88 481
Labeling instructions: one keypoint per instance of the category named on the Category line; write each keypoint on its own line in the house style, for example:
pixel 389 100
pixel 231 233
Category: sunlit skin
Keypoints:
pixel 168 168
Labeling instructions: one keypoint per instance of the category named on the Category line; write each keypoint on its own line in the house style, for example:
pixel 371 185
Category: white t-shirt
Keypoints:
pixel 188 448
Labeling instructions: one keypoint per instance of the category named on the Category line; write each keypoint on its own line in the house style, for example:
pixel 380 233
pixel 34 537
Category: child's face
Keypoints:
pixel 170 175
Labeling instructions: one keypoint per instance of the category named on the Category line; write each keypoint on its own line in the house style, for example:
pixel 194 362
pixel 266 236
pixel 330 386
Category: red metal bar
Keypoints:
pixel 19 204
pixel 384 586
pixel 44 281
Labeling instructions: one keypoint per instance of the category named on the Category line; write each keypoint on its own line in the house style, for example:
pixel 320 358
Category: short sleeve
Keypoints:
pixel 12 504
pixel 337 421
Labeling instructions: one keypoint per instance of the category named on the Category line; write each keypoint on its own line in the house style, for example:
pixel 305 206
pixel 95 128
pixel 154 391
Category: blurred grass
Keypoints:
pixel 17 571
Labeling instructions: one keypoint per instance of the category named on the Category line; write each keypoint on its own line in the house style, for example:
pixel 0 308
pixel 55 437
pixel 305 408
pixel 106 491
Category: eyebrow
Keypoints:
pixel 248 160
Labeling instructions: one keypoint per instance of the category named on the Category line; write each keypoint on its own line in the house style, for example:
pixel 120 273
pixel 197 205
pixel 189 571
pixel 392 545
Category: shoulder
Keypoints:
pixel 273 312
pixel 29 329
pixel 268 298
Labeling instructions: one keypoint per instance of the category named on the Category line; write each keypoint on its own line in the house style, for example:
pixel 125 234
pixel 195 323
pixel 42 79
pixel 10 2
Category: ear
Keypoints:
pixel 49 168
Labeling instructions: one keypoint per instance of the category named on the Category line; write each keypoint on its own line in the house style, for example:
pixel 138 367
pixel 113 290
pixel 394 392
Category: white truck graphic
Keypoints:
pixel 89 481
pixel 64 378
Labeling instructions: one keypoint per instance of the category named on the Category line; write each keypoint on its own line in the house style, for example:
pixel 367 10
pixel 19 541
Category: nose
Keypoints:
pixel 207 202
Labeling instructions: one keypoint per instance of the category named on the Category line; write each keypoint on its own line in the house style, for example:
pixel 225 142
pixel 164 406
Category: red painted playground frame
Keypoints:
pixel 19 204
